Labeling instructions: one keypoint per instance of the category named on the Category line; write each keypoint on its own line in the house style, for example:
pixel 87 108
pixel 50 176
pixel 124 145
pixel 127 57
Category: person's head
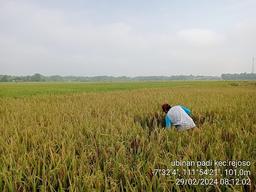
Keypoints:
pixel 166 107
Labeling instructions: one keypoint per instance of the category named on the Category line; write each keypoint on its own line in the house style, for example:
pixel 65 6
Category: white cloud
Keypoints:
pixel 200 37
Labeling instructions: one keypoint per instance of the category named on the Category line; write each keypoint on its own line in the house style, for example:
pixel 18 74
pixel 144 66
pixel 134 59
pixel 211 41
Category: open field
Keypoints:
pixel 29 89
pixel 108 136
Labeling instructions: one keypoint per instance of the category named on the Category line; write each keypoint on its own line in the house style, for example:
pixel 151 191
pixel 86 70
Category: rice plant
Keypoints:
pixel 114 140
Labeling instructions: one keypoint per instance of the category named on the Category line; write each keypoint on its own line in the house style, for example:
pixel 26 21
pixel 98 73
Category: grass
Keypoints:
pixel 101 137
pixel 30 89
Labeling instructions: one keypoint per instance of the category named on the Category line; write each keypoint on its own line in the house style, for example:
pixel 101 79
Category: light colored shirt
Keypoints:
pixel 179 117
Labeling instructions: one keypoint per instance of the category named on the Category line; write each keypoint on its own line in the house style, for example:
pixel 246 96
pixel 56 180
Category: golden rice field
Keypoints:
pixel 113 140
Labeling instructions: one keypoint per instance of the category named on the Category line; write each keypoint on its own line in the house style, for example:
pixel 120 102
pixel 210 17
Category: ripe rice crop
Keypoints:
pixel 113 140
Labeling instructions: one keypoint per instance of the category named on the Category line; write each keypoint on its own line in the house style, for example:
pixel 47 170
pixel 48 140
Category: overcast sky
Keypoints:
pixel 127 37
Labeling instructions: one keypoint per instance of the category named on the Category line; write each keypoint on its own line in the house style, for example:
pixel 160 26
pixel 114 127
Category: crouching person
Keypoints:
pixel 179 116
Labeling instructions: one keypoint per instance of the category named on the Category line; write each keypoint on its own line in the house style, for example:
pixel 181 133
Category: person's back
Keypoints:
pixel 179 117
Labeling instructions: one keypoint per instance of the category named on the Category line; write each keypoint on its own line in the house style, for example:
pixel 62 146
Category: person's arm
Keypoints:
pixel 168 122
pixel 188 111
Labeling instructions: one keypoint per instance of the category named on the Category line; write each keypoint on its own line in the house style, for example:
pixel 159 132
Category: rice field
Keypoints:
pixel 111 137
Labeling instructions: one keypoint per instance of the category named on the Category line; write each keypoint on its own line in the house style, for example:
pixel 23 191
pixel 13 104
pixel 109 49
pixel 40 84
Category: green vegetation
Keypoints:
pixel 106 136
pixel 29 89
pixel 56 78
pixel 239 76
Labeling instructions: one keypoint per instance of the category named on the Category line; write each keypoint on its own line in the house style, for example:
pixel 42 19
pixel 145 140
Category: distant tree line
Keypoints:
pixel 41 78
pixel 240 76
pixel 33 78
